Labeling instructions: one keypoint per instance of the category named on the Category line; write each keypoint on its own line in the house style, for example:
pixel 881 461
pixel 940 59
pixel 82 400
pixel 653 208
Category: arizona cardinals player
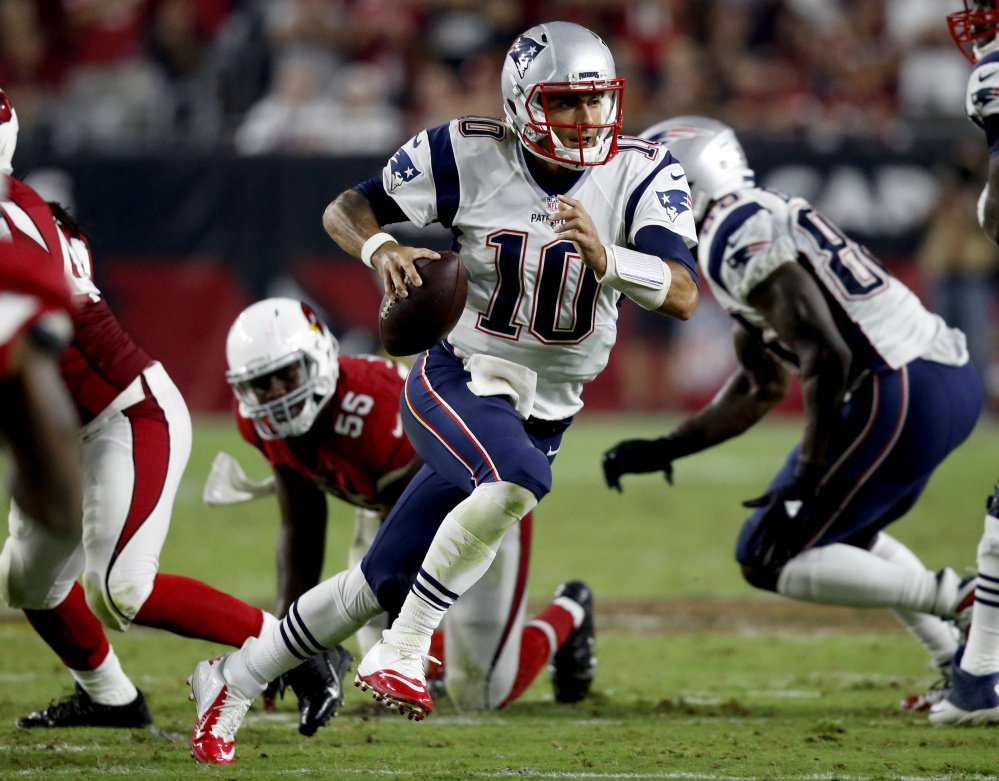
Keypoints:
pixel 888 392
pixel 329 424
pixel 555 217
pixel 38 419
pixel 136 437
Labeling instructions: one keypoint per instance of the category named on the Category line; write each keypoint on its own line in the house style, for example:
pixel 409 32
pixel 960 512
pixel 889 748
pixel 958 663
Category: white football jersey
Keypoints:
pixel 751 232
pixel 981 98
pixel 530 298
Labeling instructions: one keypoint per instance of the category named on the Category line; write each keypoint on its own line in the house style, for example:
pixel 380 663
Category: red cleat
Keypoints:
pixel 396 678
pixel 220 712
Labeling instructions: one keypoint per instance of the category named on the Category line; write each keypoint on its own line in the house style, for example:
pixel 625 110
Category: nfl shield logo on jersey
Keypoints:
pixel 523 52
pixel 675 202
pixel 402 169
pixel 552 206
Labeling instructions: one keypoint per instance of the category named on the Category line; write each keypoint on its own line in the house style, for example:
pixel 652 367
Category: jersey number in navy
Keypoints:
pixel 561 313
pixel 858 272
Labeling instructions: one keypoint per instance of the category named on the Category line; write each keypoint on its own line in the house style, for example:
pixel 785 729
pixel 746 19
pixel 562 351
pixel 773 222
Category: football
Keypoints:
pixel 413 324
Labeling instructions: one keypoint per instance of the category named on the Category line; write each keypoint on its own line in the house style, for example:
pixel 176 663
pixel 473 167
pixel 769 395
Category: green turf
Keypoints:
pixel 699 675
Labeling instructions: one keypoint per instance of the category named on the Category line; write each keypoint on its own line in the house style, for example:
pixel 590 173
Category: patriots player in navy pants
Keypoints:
pixel 888 392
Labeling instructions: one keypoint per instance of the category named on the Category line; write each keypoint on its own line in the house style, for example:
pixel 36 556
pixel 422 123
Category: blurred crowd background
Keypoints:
pixel 855 104
pixel 347 76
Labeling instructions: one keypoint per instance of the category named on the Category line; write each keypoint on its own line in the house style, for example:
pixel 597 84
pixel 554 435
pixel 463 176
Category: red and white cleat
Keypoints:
pixel 396 678
pixel 220 712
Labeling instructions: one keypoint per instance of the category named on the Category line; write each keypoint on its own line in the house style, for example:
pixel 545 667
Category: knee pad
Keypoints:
pixel 117 600
pixel 21 591
pixel 531 470
pixel 761 577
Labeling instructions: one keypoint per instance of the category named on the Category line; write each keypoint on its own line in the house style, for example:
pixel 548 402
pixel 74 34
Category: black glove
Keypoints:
pixel 785 526
pixel 318 682
pixel 638 456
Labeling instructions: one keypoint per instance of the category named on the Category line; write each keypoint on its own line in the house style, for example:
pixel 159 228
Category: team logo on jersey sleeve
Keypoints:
pixel 525 51
pixel 984 96
pixel 402 169
pixel 675 202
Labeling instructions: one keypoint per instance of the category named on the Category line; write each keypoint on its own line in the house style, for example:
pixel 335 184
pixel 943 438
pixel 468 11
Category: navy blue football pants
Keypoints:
pixel 896 428
pixel 464 440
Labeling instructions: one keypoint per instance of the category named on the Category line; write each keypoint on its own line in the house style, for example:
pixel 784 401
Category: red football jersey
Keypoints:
pixel 30 262
pixel 362 454
pixel 102 359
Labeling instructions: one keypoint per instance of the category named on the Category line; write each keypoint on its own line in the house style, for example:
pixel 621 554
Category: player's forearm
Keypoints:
pixel 682 298
pixel 299 565
pixel 737 407
pixel 350 221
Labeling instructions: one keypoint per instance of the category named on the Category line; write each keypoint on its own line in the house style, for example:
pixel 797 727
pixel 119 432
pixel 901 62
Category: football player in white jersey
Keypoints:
pixel 888 393
pixel 556 216
pixel 973 695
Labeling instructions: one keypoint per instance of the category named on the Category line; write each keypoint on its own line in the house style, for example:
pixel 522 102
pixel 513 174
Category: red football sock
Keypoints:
pixel 536 648
pixel 72 631
pixel 435 671
pixel 190 608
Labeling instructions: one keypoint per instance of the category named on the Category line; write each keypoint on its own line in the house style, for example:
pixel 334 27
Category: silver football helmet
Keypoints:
pixel 710 154
pixel 975 29
pixel 8 134
pixel 282 366
pixel 562 57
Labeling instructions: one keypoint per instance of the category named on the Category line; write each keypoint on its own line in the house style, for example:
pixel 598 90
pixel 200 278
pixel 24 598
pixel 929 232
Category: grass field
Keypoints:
pixel 700 677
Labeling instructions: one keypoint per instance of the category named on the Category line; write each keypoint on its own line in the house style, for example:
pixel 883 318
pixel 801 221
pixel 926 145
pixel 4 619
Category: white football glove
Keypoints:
pixel 227 483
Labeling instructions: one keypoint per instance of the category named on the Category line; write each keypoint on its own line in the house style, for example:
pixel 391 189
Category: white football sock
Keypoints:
pixel 107 684
pixel 323 616
pixel 461 552
pixel 937 636
pixel 981 654
pixel 841 574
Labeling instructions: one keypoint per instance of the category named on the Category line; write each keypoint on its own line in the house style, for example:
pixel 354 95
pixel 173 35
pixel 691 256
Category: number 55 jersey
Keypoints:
pixel 749 233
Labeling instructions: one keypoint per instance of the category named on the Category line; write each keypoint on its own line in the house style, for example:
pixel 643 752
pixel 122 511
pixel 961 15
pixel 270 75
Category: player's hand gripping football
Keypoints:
pixel 396 265
pixel 638 456
pixel 786 524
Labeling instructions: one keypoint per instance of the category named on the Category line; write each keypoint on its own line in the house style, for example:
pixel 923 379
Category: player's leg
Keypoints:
pixel 899 427
pixel 469 440
pixel 137 459
pixel 483 630
pixel 974 694
pixel 366 525
pixel 38 572
pixel 321 618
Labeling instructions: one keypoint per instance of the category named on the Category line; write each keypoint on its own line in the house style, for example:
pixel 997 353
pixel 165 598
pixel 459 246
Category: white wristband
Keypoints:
pixel 645 279
pixel 372 244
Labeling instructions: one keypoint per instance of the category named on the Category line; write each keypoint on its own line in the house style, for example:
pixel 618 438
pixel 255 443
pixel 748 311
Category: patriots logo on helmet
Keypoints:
pixel 525 51
pixel 5 110
pixel 675 202
pixel 402 169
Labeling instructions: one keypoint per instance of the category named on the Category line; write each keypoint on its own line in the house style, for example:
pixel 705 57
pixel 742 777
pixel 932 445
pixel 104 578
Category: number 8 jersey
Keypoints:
pixel 531 300
pixel 749 233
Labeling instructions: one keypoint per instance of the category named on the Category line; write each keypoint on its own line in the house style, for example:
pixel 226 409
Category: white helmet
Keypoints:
pixel 281 340
pixel 561 57
pixel 710 154
pixel 8 133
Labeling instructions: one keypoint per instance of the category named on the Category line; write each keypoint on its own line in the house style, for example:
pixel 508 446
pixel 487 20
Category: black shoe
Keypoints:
pixel 78 710
pixel 575 663
pixel 318 683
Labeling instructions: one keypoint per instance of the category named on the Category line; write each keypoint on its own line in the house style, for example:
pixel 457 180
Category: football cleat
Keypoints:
pixel 78 710
pixel 972 699
pixel 221 709
pixel 575 663
pixel 921 703
pixel 396 679
pixel 318 682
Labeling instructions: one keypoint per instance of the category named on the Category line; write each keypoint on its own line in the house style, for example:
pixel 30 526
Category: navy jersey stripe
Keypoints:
pixel 660 241
pixel 445 174
pixel 719 241
pixel 384 206
pixel 636 195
